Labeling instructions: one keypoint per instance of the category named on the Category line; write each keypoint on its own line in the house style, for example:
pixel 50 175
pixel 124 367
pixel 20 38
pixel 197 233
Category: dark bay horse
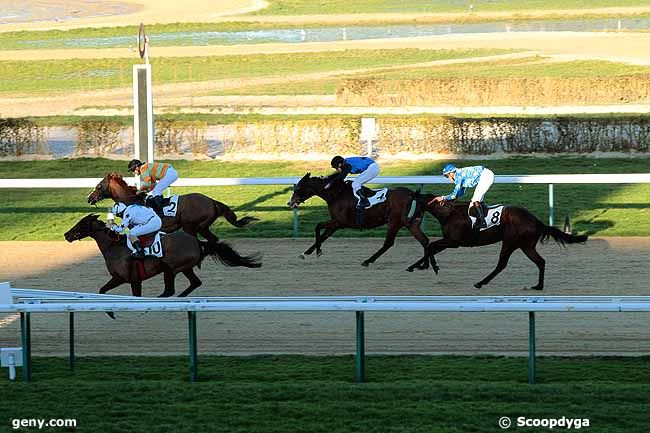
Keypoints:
pixel 341 204
pixel 195 213
pixel 519 229
pixel 182 252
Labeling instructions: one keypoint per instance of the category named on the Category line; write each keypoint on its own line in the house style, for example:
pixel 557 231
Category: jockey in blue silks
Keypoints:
pixel 366 168
pixel 469 177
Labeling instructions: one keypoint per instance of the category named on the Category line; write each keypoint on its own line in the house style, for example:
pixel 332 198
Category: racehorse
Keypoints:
pixel 342 203
pixel 195 213
pixel 518 229
pixel 182 252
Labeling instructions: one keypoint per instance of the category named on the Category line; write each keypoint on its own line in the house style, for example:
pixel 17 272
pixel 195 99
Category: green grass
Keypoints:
pixel 604 210
pixel 306 7
pixel 409 394
pixel 530 67
pixel 75 74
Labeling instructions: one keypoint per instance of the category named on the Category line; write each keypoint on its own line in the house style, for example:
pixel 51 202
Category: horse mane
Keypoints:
pixel 117 177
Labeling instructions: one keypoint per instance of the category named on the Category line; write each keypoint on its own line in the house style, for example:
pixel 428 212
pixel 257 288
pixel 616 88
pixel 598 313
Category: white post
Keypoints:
pixel 5 293
pixel 368 133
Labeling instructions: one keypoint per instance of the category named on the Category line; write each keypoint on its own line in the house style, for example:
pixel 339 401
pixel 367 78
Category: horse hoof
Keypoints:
pixel 409 269
pixel 302 256
pixel 365 264
pixel 537 288
pixel 166 295
pixel 478 285
pixel 436 270
pixel 110 314
pixel 319 253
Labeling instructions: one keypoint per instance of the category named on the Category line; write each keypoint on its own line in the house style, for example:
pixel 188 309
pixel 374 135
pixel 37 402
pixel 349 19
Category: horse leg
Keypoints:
pixel 136 288
pixel 112 283
pixel 437 247
pixel 170 278
pixel 330 227
pixel 504 256
pixel 429 255
pixel 194 282
pixel 534 256
pixel 424 241
pixel 391 232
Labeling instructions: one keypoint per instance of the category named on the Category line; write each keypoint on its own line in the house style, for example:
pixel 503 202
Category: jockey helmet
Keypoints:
pixel 336 161
pixel 449 168
pixel 134 164
pixel 119 209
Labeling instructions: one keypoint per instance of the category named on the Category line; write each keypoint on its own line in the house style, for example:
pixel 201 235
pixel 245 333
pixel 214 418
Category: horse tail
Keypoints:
pixel 560 237
pixel 231 217
pixel 224 253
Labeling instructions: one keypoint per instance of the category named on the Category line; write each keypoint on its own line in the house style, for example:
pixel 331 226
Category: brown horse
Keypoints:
pixel 182 252
pixel 518 229
pixel 341 204
pixel 195 213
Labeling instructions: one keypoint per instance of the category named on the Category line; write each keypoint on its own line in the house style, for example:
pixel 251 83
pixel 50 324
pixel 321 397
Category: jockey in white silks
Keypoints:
pixel 140 220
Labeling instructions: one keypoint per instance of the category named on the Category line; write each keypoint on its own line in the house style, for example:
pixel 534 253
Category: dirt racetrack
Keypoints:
pixel 606 266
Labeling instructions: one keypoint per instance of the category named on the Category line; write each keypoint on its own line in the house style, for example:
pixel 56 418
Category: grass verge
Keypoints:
pixel 335 7
pixel 75 74
pixel 604 210
pixel 410 394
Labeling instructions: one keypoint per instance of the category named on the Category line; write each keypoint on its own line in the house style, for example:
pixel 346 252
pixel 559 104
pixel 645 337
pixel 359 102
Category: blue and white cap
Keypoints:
pixel 449 168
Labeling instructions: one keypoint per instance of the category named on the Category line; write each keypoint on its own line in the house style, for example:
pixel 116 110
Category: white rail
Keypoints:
pixel 27 302
pixel 396 180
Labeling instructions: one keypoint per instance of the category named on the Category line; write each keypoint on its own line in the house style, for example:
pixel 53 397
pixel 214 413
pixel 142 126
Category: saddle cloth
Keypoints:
pixel 170 206
pixel 492 216
pixel 151 244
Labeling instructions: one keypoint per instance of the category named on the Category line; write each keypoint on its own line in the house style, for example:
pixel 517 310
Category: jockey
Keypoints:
pixel 469 177
pixel 366 168
pixel 155 178
pixel 139 220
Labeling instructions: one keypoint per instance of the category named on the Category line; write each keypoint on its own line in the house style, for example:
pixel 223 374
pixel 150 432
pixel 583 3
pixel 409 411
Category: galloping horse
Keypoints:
pixel 341 204
pixel 518 228
pixel 195 213
pixel 182 252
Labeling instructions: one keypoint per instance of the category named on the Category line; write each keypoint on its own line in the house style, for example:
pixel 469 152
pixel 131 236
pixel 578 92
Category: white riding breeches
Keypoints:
pixel 484 183
pixel 151 226
pixel 364 177
pixel 169 178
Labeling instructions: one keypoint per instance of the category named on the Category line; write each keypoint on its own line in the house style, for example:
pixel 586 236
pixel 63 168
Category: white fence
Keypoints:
pixel 27 302
pixel 550 179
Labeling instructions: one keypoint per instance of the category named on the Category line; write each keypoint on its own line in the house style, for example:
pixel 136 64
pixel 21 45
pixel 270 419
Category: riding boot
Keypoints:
pixel 158 204
pixel 480 219
pixel 139 252
pixel 362 200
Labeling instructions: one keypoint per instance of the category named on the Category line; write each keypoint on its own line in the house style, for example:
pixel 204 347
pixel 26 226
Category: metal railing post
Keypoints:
pixel 191 315
pixel 531 347
pixel 71 333
pixel 360 375
pixel 26 337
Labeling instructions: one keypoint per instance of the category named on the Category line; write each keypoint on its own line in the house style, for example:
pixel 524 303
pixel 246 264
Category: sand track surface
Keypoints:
pixel 607 266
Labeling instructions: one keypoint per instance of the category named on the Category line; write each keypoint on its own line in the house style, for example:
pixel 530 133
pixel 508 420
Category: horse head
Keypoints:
pixel 111 186
pixel 306 188
pixel 84 228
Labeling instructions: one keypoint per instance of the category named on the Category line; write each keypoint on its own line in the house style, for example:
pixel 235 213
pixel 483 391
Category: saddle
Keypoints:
pixel 147 240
